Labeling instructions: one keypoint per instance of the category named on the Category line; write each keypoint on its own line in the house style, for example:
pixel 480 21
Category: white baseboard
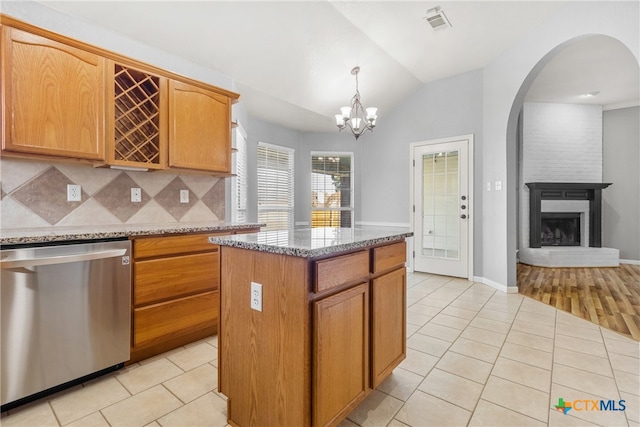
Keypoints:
pixel 630 261
pixel 496 285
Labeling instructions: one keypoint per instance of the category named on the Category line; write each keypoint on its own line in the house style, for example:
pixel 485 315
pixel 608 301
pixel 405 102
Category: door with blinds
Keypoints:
pixel 442 207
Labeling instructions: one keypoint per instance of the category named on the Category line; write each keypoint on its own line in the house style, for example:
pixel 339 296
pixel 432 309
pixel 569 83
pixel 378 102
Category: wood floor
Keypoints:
pixel 609 297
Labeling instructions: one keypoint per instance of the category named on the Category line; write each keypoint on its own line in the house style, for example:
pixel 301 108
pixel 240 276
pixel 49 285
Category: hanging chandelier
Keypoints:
pixel 355 117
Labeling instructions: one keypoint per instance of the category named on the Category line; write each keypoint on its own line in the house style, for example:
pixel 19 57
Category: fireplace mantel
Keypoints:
pixel 591 191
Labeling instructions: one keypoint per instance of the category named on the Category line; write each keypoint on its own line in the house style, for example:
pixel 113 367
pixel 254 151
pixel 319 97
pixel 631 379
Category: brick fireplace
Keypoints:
pixel 560 159
pixel 565 226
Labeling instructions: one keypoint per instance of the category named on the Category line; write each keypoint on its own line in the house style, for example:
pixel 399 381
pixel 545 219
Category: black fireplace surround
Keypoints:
pixel 592 192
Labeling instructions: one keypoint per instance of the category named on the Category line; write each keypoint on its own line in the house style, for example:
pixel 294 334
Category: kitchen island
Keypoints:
pixel 311 321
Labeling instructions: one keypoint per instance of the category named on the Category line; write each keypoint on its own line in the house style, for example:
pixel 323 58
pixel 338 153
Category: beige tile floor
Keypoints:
pixel 475 356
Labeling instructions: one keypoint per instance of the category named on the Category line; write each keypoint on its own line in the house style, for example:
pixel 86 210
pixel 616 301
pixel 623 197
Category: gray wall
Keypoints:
pixel 621 201
pixel 445 108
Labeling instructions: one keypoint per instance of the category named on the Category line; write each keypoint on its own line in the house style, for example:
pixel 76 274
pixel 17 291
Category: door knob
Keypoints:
pixel 463 216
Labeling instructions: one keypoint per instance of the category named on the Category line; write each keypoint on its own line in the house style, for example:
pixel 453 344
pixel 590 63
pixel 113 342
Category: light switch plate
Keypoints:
pixel 488 186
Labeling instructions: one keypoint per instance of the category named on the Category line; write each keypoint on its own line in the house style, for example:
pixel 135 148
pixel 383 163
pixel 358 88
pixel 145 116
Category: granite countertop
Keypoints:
pixel 58 234
pixel 313 242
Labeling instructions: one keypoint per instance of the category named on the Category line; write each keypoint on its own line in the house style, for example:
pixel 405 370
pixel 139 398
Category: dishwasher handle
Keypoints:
pixel 63 259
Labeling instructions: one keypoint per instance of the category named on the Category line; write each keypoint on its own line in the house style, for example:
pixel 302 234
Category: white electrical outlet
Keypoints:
pixel 74 193
pixel 256 296
pixel 136 195
pixel 498 185
pixel 184 196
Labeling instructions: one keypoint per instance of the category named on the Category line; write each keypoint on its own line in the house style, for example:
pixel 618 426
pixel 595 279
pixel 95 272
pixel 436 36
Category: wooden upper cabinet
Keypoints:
pixel 136 118
pixel 199 128
pixel 53 97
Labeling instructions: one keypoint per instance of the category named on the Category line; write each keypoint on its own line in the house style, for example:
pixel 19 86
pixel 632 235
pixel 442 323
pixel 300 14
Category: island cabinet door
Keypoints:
pixel 388 324
pixel 341 354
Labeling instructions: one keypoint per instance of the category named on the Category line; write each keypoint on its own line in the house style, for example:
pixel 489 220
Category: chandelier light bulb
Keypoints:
pixel 371 113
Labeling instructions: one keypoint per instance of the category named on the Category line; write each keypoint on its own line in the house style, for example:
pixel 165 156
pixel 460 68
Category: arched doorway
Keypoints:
pixel 559 85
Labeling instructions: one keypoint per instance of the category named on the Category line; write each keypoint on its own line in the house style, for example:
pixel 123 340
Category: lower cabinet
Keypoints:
pixel 166 321
pixel 360 332
pixel 388 324
pixel 340 354
pixel 176 280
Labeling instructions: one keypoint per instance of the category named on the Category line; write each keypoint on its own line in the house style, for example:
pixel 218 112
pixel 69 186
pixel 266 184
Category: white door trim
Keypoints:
pixel 471 198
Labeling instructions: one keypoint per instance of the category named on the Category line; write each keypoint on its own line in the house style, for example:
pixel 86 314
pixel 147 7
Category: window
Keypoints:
pixel 275 186
pixel 331 189
pixel 239 182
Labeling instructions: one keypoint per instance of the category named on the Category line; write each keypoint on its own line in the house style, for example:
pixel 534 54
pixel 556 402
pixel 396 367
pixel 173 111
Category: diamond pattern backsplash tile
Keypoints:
pixel 42 190
pixel 116 197
pixel 214 199
pixel 46 195
pixel 169 198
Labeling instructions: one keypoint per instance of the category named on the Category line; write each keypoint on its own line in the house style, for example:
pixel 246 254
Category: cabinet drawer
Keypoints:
pixel 386 257
pixel 146 247
pixel 167 320
pixel 164 278
pixel 339 270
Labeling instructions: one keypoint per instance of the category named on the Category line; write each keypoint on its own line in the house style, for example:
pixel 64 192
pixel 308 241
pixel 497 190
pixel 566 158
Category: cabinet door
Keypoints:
pixel 199 128
pixel 388 324
pixel 341 354
pixel 54 97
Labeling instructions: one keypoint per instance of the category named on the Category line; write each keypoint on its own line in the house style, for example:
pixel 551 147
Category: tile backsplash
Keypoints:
pixel 34 194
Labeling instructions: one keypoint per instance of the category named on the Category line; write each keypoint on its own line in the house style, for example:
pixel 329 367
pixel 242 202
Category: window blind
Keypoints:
pixel 275 186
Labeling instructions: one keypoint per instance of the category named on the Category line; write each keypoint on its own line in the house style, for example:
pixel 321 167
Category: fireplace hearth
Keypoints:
pixel 560 229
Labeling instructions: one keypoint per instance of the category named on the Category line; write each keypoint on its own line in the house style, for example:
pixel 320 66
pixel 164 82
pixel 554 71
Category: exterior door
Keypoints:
pixel 442 207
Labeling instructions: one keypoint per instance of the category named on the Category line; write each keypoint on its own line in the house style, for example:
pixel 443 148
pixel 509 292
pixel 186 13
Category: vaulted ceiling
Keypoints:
pixel 291 60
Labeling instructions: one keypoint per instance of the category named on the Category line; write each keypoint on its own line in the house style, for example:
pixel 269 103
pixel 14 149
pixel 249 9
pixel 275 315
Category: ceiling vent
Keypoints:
pixel 437 19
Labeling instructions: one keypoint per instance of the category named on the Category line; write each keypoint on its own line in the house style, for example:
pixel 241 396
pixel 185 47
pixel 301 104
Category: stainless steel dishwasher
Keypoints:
pixel 66 316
